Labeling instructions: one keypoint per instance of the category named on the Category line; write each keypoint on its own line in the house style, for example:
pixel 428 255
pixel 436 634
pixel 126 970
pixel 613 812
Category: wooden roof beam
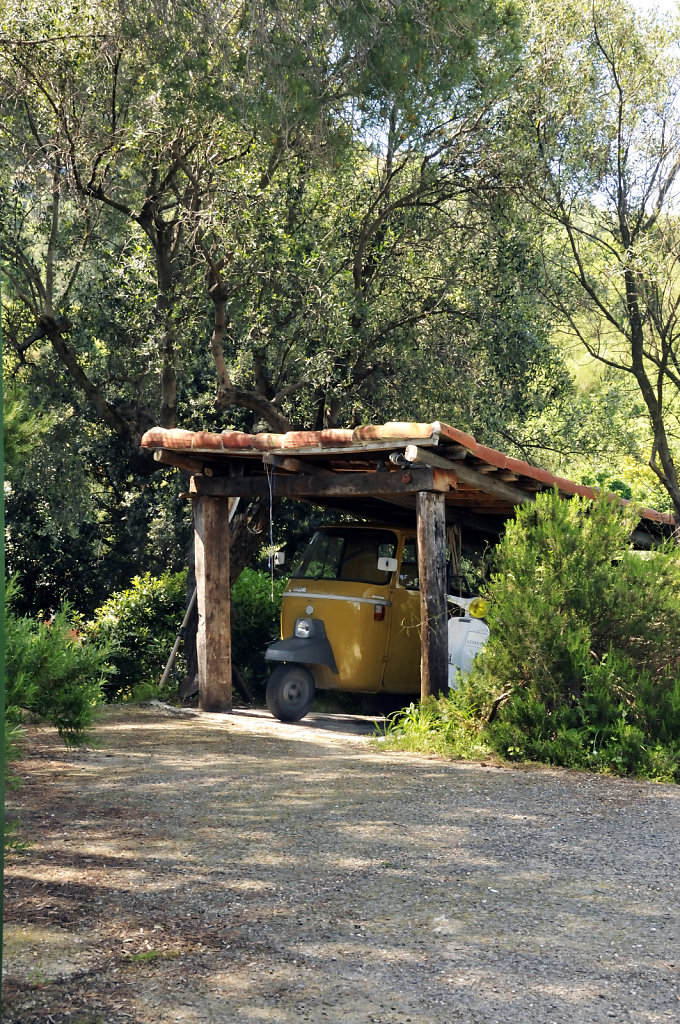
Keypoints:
pixel 330 485
pixel 418 456
pixel 181 461
pixel 291 465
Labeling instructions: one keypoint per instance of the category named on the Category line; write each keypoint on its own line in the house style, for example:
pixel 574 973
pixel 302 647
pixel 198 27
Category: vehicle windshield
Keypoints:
pixel 351 555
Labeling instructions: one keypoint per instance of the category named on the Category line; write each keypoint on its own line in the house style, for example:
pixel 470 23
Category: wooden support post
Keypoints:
pixel 213 639
pixel 434 670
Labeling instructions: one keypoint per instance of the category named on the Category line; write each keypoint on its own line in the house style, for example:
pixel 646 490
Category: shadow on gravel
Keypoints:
pixel 352 725
pixel 233 868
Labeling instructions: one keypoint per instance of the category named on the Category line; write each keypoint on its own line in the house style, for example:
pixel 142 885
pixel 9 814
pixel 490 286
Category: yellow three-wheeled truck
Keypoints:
pixel 350 620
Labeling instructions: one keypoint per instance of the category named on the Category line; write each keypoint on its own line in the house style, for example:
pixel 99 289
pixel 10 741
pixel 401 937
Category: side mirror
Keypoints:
pixel 279 558
pixel 387 565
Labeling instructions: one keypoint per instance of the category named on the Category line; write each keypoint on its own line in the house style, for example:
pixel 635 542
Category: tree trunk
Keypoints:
pixel 668 473
pixel 164 310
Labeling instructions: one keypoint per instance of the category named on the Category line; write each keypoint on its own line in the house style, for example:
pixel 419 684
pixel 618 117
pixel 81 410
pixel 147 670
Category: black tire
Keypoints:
pixel 290 692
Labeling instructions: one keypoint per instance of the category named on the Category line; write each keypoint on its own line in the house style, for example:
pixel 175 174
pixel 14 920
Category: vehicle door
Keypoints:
pixel 402 665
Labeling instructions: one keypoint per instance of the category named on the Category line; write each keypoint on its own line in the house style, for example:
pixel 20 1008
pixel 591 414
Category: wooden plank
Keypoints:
pixel 180 461
pixel 445 480
pixel 291 465
pixel 466 475
pixel 340 485
pixel 416 455
pixel 213 640
pixel 431 527
pixel 357 448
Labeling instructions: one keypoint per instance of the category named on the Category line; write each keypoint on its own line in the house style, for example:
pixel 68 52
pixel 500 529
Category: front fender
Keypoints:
pixel 311 650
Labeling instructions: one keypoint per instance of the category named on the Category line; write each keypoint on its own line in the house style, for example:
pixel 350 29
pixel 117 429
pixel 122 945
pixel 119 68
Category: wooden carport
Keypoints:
pixel 398 472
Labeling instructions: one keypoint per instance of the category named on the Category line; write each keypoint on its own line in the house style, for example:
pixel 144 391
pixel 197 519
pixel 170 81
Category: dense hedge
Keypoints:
pixel 138 626
pixel 583 663
pixel 255 617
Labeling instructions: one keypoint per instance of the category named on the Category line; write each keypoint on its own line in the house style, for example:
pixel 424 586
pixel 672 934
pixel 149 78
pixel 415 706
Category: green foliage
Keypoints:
pixel 21 427
pixel 138 626
pixel 256 612
pixel 596 433
pixel 598 109
pixel 582 667
pixel 584 655
pixel 437 726
pixel 343 156
pixel 53 674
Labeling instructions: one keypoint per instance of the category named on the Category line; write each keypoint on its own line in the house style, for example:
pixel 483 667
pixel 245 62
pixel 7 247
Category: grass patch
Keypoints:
pixel 436 726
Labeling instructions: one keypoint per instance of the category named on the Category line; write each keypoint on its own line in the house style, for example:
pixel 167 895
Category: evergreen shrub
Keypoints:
pixel 53 674
pixel 582 667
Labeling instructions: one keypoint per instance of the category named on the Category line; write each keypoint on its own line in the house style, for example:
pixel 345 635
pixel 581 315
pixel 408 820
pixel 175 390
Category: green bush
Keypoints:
pixel 585 642
pixel 52 674
pixel 138 626
pixel 582 667
pixel 255 617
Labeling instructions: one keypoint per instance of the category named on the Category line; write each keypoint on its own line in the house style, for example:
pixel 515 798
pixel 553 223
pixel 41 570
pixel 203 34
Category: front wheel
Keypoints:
pixel 290 692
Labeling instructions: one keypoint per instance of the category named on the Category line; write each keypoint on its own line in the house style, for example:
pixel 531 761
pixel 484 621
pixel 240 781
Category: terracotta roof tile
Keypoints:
pixel 235 439
pixel 266 442
pixel 204 440
pixel 459 436
pixel 544 476
pixel 371 436
pixel 174 439
pixel 301 439
pixel 336 438
pixel 490 456
pixel 568 486
pixel 388 431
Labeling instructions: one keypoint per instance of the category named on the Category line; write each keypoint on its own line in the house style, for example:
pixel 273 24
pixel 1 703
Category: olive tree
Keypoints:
pixel 254 214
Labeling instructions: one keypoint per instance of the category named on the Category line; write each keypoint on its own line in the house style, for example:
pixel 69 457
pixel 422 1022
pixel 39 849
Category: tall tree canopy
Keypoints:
pixel 599 109
pixel 264 213
pixel 167 137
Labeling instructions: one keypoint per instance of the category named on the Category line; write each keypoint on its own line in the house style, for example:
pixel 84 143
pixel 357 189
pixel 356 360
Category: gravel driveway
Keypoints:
pixel 201 868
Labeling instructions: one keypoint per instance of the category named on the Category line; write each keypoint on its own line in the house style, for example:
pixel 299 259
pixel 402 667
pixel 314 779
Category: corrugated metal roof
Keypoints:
pixel 481 479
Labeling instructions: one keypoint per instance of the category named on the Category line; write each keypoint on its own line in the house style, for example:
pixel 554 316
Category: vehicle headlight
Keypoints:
pixel 478 607
pixel 303 628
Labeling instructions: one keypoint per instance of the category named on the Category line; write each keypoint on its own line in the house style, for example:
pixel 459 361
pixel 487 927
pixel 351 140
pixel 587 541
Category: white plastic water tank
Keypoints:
pixel 467 637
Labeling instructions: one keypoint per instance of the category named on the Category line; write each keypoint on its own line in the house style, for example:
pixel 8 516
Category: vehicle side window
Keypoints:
pixel 350 555
pixel 360 558
pixel 408 572
pixel 321 560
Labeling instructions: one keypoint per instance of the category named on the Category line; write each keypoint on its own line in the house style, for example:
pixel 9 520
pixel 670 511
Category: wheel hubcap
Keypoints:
pixel 293 692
